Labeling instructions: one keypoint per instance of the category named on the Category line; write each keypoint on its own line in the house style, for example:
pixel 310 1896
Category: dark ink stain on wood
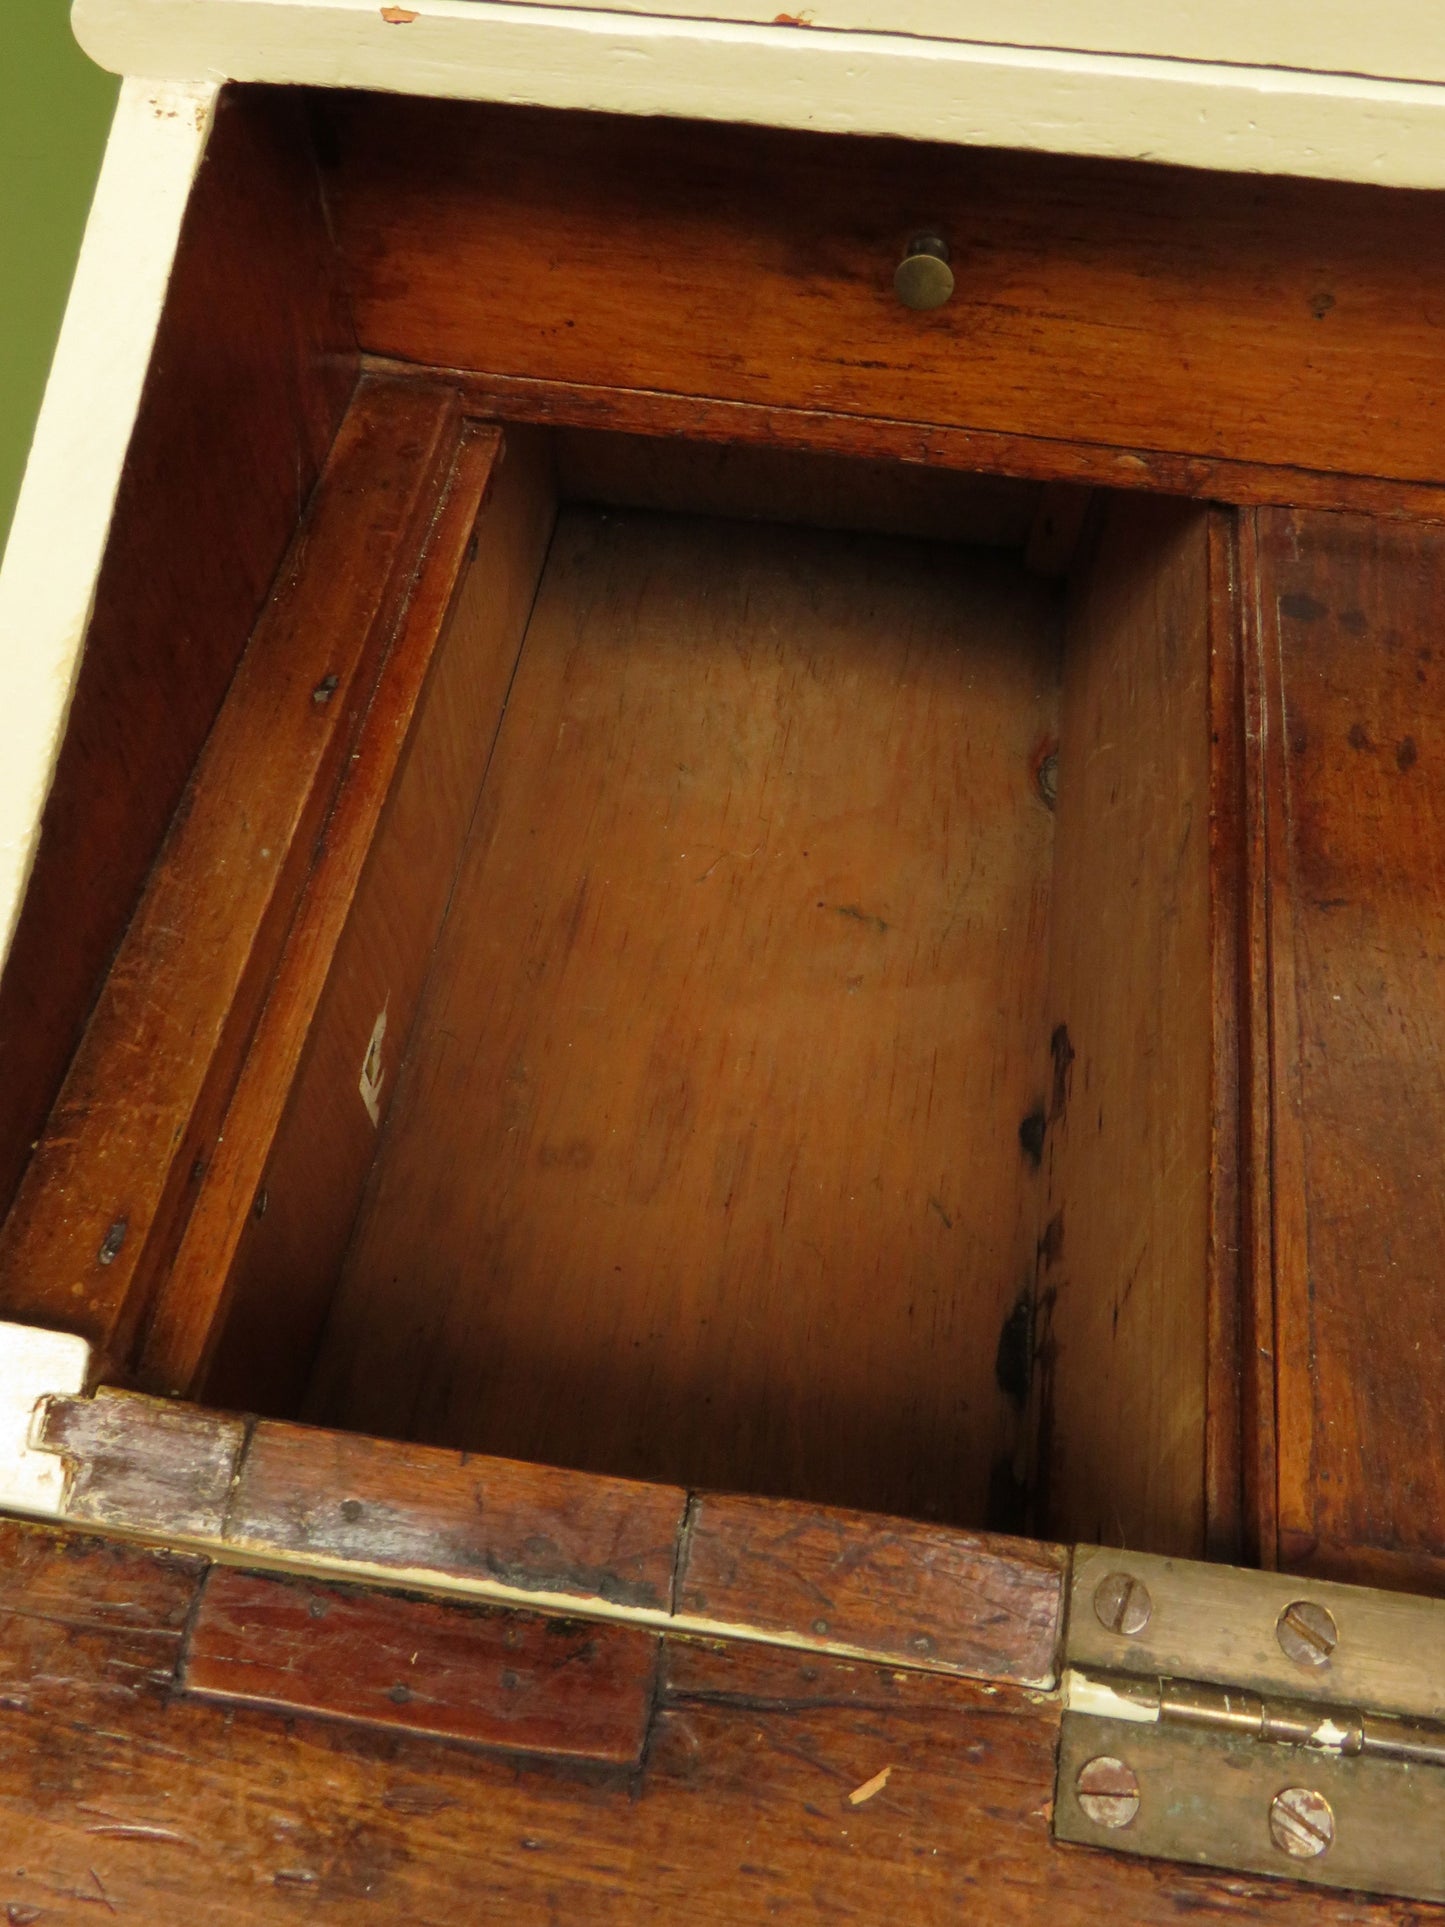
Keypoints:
pixel 1062 1051
pixel 858 915
pixel 1013 1360
pixel 1321 303
pixel 1354 622
pixel 1051 1245
pixel 1008 1499
pixel 1031 1136
pixel 935 1205
pixel 1302 608
pixel 1359 737
pixel 556 1575
pixel 111 1243
pixel 1406 754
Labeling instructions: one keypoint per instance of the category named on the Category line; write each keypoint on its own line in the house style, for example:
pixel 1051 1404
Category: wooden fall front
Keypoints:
pixel 694 877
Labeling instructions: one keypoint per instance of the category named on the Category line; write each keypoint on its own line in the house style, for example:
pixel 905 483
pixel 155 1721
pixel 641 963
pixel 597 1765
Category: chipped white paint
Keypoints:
pixel 1083 1693
pixel 33 1365
pixel 62 518
pixel 373 1070
pixel 1273 118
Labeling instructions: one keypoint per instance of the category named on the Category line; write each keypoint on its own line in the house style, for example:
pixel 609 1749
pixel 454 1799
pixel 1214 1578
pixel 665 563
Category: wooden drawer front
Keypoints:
pixel 1266 321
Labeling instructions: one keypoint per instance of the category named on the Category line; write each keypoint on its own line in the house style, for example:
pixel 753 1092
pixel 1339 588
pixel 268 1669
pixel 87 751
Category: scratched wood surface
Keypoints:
pixel 1120 1338
pixel 120 1797
pixel 113 1177
pixel 1270 321
pixel 555 1688
pixel 986 1606
pixel 705 1164
pixel 253 365
pixel 1350 611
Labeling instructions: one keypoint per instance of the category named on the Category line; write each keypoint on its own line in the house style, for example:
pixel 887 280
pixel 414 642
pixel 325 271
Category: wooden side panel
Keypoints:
pixel 411 1509
pixel 706 1162
pixel 1120 1335
pixel 253 365
pixel 1351 611
pixel 777 484
pixel 117 1796
pixel 554 1688
pixel 1269 321
pixel 979 1605
pixel 107 1190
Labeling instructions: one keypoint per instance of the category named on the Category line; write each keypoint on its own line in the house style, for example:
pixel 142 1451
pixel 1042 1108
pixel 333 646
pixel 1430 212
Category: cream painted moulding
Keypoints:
pixel 1334 89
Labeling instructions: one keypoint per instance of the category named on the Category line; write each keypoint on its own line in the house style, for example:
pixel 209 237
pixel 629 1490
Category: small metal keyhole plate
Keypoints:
pixel 923 279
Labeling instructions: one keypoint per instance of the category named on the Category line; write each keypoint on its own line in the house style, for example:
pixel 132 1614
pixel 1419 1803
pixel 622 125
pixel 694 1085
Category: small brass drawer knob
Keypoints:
pixel 923 278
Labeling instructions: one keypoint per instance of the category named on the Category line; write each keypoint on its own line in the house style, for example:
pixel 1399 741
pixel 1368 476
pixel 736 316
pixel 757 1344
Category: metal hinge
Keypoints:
pixel 1254 1722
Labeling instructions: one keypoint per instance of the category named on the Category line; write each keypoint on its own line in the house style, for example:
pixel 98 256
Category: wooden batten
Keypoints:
pixel 112 1179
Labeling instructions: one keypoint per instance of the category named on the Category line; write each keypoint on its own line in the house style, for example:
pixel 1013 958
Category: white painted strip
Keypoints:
pixel 34 1364
pixel 62 517
pixel 1250 119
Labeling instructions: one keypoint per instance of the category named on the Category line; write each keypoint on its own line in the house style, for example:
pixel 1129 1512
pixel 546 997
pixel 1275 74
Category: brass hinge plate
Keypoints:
pixel 1255 1722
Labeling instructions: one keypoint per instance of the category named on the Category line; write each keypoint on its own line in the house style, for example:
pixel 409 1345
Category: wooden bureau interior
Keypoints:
pixel 688 880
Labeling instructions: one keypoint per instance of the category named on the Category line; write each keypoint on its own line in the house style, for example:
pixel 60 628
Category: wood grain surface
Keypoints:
pixel 705 1164
pixel 413 1508
pixel 118 1796
pixel 108 1188
pixel 988 1607
pixel 1120 1333
pixel 253 365
pixel 1351 610
pixel 1267 321
pixel 555 1688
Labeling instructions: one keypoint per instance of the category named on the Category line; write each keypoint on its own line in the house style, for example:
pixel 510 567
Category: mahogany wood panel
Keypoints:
pixel 142 1466
pixel 106 1192
pixel 412 1508
pixel 558 1688
pixel 1120 1335
pixel 985 1606
pixel 705 1163
pixel 115 1796
pixel 756 482
pixel 609 407
pixel 253 364
pixel 1263 320
pixel 1351 612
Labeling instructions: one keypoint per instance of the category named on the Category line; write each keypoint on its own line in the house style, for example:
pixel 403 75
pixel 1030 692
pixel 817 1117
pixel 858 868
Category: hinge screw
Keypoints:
pixel 1108 1791
pixel 1300 1822
pixel 1122 1604
pixel 1307 1633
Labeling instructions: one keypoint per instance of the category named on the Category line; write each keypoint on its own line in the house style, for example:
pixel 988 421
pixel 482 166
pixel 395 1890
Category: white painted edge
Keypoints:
pixel 63 514
pixel 1189 113
pixel 34 1365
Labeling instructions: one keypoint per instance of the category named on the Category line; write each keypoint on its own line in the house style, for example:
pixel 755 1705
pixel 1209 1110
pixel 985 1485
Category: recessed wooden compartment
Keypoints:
pixel 737 955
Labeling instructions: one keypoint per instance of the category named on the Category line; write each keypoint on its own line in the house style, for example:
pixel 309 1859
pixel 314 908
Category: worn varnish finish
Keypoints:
pixel 253 365
pixel 143 1466
pixel 1120 1314
pixel 1267 321
pixel 557 1688
pixel 132 1132
pixel 978 1605
pixel 119 1794
pixel 705 1163
pixel 1350 613
pixel 410 1509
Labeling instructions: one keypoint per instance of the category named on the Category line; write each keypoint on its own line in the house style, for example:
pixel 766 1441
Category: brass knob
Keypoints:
pixel 923 278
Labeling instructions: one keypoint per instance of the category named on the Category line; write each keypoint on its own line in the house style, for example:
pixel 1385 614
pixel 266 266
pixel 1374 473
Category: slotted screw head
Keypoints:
pixel 1301 1823
pixel 1122 1603
pixel 1108 1791
pixel 1307 1633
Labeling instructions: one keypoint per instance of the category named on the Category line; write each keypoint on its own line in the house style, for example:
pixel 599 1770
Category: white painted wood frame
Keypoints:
pixel 1334 89
pixel 63 514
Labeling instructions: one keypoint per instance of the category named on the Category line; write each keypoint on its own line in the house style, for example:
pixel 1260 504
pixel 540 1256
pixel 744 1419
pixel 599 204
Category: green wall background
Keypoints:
pixel 55 108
